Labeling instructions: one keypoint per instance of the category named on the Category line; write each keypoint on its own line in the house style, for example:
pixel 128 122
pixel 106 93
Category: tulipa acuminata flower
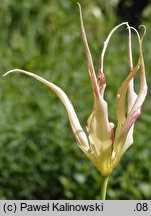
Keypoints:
pixel 100 143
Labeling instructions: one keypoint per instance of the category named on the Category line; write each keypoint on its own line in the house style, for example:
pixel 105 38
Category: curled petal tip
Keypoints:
pixel 79 4
pixel 144 30
pixel 11 71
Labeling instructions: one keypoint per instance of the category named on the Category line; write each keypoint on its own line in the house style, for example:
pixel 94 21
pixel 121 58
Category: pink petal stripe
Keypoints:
pixel 89 57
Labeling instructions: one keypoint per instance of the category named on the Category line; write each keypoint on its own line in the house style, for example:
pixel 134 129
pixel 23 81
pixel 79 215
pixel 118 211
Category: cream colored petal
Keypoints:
pixel 131 93
pixel 120 137
pixel 143 84
pixel 131 96
pixel 136 107
pixel 129 140
pixel 121 95
pixel 100 138
pixel 75 124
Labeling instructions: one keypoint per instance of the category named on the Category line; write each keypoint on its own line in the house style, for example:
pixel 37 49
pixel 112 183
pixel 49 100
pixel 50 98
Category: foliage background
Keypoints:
pixel 39 158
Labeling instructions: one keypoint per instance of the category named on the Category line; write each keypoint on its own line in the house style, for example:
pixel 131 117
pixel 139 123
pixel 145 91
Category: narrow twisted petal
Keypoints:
pixel 89 57
pixel 101 77
pixel 134 106
pixel 120 139
pixel 75 124
pixel 121 95
pixel 99 115
pixel 131 95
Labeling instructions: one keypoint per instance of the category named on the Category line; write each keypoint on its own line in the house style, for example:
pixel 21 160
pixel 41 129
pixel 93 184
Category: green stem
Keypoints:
pixel 104 187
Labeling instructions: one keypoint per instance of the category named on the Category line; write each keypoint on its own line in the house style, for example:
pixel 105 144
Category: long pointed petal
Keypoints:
pixel 75 124
pixel 89 57
pixel 131 95
pixel 100 105
pixel 137 106
pixel 127 85
pixel 121 96
pixel 136 109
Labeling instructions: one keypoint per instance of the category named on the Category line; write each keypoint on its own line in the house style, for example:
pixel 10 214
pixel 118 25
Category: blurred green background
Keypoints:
pixel 39 157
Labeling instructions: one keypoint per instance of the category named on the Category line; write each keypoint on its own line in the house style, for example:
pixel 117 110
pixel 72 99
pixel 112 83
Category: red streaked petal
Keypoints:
pixel 89 57
pixel 100 105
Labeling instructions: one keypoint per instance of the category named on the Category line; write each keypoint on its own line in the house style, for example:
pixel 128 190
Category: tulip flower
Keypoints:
pixel 102 144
